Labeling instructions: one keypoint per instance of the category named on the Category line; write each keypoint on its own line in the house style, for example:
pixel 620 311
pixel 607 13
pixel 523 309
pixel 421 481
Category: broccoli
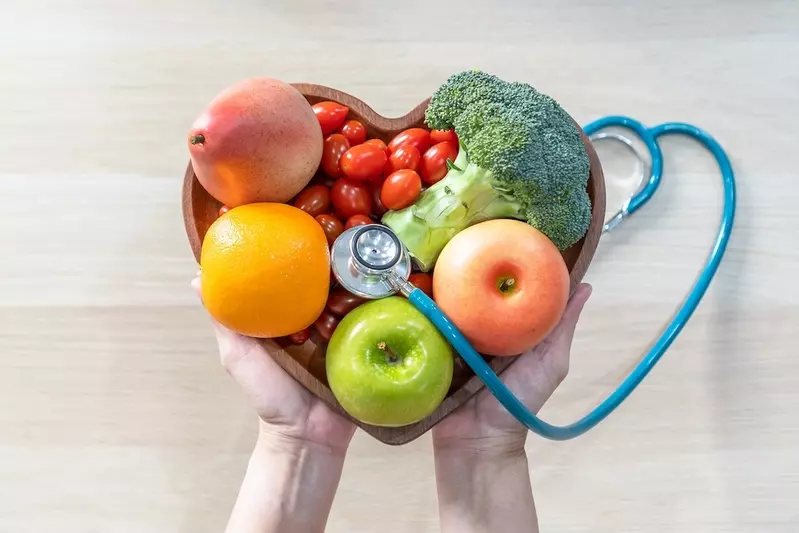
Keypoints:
pixel 520 156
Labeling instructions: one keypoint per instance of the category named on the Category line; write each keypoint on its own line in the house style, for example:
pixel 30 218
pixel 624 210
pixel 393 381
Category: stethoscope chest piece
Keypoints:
pixel 366 258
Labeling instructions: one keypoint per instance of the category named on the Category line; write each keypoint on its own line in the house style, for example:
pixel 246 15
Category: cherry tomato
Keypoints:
pixel 401 189
pixel 378 209
pixel 388 168
pixel 301 336
pixel 314 200
pixel 334 147
pixel 337 214
pixel 224 209
pixel 357 220
pixel 354 131
pixel 332 227
pixel 325 325
pixel 351 198
pixel 406 156
pixel 331 115
pixel 320 178
pixel 363 162
pixel 341 301
pixel 423 281
pixel 434 161
pixel 379 143
pixel 418 137
pixel 439 136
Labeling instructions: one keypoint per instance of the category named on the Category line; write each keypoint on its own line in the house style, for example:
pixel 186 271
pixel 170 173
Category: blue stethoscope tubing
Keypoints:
pixel 493 383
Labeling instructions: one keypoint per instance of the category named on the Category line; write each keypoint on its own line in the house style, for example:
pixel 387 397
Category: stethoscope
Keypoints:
pixel 370 261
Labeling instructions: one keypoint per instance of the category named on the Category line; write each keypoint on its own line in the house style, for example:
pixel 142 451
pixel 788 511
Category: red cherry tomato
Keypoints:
pixel 341 217
pixel 401 189
pixel 379 143
pixel 406 156
pixel 357 220
pixel 325 325
pixel 320 178
pixel 423 281
pixel 378 209
pixel 351 198
pixel 341 301
pixel 418 137
pixel 440 136
pixel 332 227
pixel 334 147
pixel 354 131
pixel 363 162
pixel 434 161
pixel 300 337
pixel 224 209
pixel 331 115
pixel 314 200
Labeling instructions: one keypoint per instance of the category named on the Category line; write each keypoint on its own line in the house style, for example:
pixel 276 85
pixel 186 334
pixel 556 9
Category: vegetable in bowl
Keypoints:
pixel 520 156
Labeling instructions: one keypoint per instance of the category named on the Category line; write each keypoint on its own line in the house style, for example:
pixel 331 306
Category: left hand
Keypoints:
pixel 289 413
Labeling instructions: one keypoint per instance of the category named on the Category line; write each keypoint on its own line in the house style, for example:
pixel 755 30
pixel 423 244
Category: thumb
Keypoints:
pixel 574 309
pixel 219 329
pixel 559 341
pixel 557 347
pixel 230 343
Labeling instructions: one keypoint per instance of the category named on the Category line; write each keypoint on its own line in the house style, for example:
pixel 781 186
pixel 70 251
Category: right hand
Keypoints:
pixel 482 424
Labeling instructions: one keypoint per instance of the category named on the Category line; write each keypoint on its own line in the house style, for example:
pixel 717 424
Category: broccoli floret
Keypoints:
pixel 521 156
pixel 564 219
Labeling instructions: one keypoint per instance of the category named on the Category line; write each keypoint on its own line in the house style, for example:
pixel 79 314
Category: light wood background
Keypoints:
pixel 115 415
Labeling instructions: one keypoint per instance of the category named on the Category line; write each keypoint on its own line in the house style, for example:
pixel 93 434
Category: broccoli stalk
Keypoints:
pixel 521 156
pixel 468 194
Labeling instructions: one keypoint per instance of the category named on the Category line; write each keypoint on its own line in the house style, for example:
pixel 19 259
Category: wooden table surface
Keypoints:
pixel 115 415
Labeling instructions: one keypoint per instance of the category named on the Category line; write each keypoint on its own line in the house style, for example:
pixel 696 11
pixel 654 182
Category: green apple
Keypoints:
pixel 387 364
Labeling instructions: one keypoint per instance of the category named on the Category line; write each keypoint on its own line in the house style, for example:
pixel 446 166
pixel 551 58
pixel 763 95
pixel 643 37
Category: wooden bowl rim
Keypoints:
pixel 389 126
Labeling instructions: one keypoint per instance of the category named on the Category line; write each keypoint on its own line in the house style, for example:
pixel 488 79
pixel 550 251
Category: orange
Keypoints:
pixel 265 269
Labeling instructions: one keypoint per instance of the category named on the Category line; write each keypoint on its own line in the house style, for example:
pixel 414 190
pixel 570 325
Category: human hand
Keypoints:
pixel 482 424
pixel 289 413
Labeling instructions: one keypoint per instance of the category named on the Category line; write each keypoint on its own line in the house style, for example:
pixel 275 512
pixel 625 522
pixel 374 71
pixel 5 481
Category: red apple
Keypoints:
pixel 504 284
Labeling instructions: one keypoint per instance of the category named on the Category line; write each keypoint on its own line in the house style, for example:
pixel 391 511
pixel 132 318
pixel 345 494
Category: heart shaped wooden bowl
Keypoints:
pixel 306 363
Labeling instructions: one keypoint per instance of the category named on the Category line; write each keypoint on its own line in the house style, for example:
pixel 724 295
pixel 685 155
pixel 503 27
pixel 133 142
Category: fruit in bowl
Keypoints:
pixel 387 364
pixel 504 284
pixel 257 141
pixel 371 169
pixel 265 270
